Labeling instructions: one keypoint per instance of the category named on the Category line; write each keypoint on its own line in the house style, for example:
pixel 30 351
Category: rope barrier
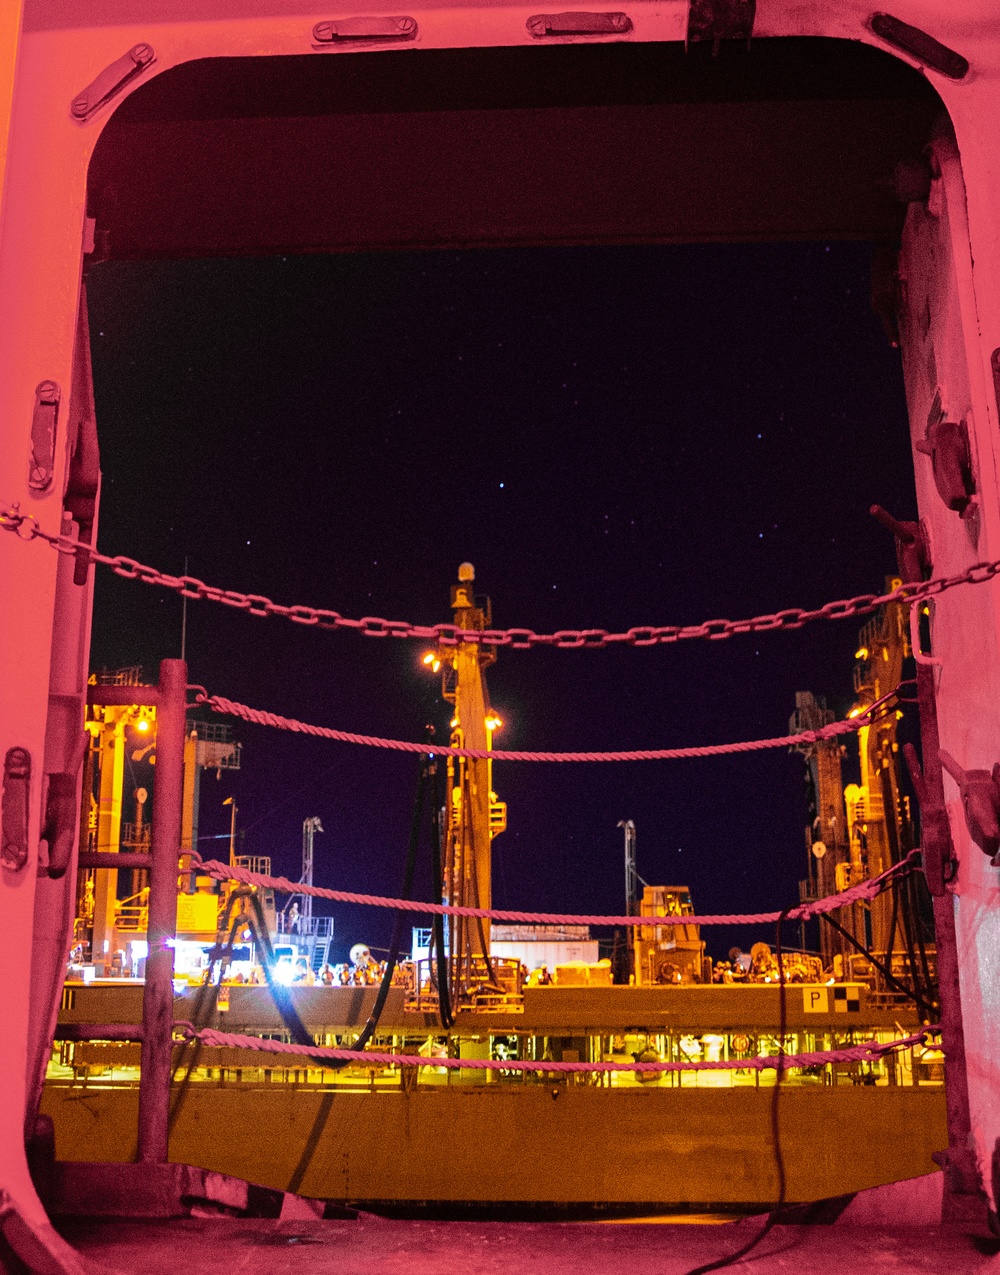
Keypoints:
pixel 864 890
pixel 26 528
pixel 869 1051
pixel 261 717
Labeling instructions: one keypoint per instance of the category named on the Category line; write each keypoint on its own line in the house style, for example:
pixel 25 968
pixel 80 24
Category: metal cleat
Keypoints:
pixel 980 791
pixel 947 444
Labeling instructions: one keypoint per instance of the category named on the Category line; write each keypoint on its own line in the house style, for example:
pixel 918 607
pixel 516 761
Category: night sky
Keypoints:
pixel 613 436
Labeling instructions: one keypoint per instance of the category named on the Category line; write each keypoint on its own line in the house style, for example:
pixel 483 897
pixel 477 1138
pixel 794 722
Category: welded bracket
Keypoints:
pixel 111 81
pixel 913 551
pixel 14 809
pixel 62 815
pixel 44 419
pixel 921 46
pixel 346 30
pixel 540 25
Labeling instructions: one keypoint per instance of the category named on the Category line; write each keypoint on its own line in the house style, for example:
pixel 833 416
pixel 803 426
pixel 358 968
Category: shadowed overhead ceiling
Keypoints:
pixel 577 144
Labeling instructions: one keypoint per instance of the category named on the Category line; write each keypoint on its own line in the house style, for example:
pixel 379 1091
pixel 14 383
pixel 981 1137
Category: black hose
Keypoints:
pixel 914 895
pixel 437 881
pixel 906 918
pixel 912 995
pixel 280 994
pixel 397 933
pixel 206 1000
pixel 893 923
pixel 484 947
pixel 774 1216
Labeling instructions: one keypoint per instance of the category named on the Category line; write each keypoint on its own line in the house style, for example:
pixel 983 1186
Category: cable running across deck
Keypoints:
pixel 855 894
pixel 26 528
pixel 868 1051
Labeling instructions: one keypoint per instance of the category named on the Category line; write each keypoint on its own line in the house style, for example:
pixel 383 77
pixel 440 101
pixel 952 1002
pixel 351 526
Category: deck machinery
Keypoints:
pixel 472 815
pixel 673 1006
pixel 110 929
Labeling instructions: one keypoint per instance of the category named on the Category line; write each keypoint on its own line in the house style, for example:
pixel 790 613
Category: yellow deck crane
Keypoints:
pixel 878 813
pixel 106 925
pixel 861 830
pixel 472 814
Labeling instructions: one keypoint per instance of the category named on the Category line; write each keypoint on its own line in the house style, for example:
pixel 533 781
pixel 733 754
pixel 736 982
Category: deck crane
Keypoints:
pixel 472 814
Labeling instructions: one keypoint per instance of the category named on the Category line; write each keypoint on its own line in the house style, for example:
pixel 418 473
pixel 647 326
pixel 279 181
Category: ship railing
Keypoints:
pixel 259 863
pixel 131 920
pixel 318 927
pixel 422 990
pixel 136 836
pixel 214 732
pixel 500 992
pixel 131 676
pixel 887 1000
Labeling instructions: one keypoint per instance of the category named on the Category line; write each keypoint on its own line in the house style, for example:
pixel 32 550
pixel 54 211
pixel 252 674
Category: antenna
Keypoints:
pixel 632 877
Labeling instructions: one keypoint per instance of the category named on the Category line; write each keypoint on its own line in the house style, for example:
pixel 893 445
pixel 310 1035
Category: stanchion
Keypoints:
pixel 158 994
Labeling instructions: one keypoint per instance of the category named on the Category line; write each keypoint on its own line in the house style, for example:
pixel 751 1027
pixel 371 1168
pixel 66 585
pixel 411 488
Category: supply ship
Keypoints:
pixel 404 1138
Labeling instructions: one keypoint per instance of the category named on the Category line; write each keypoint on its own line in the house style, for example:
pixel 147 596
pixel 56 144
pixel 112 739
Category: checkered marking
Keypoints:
pixel 847 1000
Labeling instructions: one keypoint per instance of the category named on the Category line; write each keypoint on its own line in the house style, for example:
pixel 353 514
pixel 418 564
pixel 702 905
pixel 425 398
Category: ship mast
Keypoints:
pixel 472 814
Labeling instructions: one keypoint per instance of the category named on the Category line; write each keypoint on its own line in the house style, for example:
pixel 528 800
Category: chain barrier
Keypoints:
pixel 26 527
pixel 868 1051
pixel 861 892
pixel 261 717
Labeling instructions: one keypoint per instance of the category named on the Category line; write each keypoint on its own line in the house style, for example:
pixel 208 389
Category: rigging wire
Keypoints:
pixel 437 881
pixel 926 1008
pixel 281 995
pixel 397 933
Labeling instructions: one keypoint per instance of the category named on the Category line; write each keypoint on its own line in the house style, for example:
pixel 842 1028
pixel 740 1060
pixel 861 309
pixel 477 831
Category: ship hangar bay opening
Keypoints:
pixel 587 149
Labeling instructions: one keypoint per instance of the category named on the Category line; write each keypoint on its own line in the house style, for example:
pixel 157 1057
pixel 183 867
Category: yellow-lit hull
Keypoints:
pixel 396 1137
pixel 527 1143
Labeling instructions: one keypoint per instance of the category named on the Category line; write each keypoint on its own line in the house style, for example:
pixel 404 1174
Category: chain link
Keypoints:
pixel 26 528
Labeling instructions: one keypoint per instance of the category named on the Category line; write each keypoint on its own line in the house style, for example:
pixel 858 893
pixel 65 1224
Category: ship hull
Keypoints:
pixel 526 1143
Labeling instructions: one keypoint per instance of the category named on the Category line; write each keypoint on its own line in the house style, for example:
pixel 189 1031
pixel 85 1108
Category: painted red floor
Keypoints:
pixel 208 1246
